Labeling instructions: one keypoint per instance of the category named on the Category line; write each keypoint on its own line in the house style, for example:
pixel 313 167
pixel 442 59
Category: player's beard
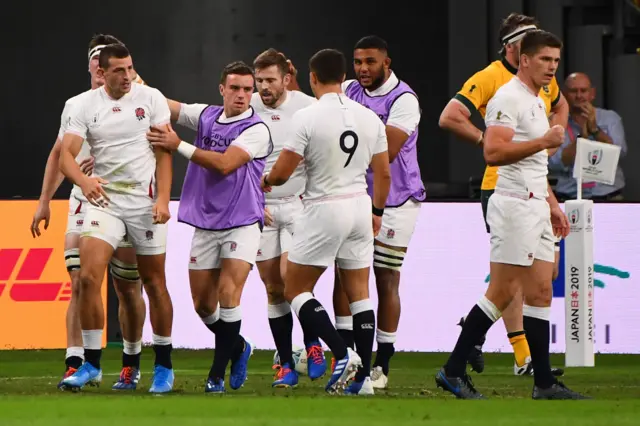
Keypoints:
pixel 273 99
pixel 377 80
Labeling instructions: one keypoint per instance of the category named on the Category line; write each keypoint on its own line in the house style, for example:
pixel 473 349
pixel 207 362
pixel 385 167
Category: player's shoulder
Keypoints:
pixel 85 96
pixel 508 91
pixel 146 91
pixel 489 74
pixel 300 99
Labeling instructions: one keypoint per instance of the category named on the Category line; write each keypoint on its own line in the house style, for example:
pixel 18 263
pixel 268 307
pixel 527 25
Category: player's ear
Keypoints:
pixel 286 79
pixel 100 72
pixel 221 87
pixel 344 76
pixel 312 78
pixel 387 62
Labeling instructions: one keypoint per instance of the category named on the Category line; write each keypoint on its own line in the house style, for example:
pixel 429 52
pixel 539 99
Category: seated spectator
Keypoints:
pixel 588 122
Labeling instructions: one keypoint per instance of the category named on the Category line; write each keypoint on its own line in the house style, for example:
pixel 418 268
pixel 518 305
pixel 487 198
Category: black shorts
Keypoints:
pixel 485 194
pixel 484 201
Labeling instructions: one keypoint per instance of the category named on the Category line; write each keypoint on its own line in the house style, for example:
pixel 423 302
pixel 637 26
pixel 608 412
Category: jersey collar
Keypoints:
pixel 509 67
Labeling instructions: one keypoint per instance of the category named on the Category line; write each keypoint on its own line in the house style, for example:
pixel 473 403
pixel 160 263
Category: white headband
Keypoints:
pixel 96 50
pixel 517 34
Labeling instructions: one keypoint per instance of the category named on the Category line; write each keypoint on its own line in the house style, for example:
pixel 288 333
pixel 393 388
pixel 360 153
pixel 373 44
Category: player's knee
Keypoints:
pixel 203 308
pixel 129 293
pixel 290 293
pixel 229 295
pixel 275 292
pixel 387 282
pixel 540 295
pixel 88 282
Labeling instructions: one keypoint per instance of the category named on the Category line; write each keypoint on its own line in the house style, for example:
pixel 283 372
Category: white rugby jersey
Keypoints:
pixel 84 153
pixel 279 122
pixel 116 131
pixel 516 107
pixel 337 138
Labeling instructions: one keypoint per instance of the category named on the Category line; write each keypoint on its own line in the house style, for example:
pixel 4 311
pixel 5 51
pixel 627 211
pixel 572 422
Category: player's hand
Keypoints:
pixel 165 138
pixel 268 217
pixel 377 224
pixel 559 222
pixel 86 165
pixel 264 186
pixel 161 212
pixel 42 213
pixel 92 189
pixel 554 137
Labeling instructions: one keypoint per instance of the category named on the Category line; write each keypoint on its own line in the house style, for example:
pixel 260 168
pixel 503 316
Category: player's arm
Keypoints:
pixel 255 141
pixel 53 176
pixel 403 120
pixel 381 170
pixel 501 120
pixel 456 116
pixel 187 115
pixel 283 168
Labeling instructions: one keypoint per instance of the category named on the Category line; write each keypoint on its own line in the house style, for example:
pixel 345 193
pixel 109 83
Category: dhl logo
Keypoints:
pixel 26 285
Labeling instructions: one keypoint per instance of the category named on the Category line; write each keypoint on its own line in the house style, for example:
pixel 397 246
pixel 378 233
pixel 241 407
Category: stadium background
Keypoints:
pixel 180 48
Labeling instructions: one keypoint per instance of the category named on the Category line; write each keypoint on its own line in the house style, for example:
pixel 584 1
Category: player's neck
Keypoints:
pixel 281 100
pixel 323 89
pixel 230 113
pixel 528 81
pixel 113 95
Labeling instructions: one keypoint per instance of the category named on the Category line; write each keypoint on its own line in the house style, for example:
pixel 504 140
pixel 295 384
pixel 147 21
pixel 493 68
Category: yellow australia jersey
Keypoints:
pixel 480 88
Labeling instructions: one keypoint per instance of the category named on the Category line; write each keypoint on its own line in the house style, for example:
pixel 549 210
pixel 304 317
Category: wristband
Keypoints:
pixel 376 211
pixel 186 149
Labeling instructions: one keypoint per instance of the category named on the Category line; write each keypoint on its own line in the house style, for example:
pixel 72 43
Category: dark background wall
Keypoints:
pixel 181 46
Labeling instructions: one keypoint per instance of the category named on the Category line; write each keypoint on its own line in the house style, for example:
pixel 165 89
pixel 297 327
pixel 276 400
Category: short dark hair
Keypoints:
pixel 535 40
pixel 236 67
pixel 271 57
pixel 329 65
pixel 512 23
pixel 372 42
pixel 104 39
pixel 115 50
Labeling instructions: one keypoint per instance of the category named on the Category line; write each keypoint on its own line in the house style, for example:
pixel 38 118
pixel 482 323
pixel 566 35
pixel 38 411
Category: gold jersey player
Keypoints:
pixel 474 97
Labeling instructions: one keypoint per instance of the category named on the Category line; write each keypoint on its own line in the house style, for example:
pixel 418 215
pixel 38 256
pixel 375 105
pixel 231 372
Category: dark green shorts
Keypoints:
pixel 484 200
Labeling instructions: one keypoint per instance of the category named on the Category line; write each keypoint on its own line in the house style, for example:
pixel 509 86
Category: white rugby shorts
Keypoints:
pixel 276 239
pixel 338 230
pixel 208 248
pixel 521 230
pixel 130 216
pixel 76 216
pixel 398 224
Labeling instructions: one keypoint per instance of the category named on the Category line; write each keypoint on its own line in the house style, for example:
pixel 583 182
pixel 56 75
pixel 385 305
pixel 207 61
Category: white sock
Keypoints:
pixel 161 340
pixel 211 319
pixel 537 312
pixel 299 301
pixel 360 306
pixel 132 348
pixel 489 309
pixel 231 314
pixel 279 310
pixel 385 336
pixel 344 323
pixel 92 339
pixel 75 351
